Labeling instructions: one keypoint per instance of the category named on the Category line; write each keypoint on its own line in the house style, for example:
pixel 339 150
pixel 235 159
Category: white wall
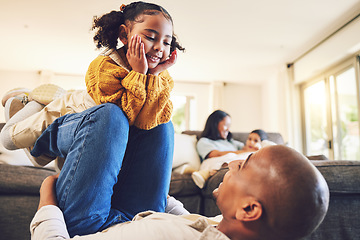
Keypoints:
pixel 275 103
pixel 244 104
pixel 341 45
pixel 250 106
pixel 11 79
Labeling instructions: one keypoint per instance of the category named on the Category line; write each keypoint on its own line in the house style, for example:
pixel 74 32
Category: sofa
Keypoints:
pixel 19 190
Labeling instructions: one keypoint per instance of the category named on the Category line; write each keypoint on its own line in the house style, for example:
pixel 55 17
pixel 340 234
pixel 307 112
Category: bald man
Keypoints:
pixel 275 194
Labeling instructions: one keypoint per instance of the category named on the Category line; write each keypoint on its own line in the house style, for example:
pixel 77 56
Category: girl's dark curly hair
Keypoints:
pixel 107 26
pixel 211 126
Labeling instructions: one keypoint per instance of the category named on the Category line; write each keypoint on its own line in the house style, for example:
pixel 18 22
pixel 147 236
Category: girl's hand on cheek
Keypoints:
pixel 164 65
pixel 136 55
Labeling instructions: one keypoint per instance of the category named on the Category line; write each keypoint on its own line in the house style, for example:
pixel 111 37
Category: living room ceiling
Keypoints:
pixel 229 40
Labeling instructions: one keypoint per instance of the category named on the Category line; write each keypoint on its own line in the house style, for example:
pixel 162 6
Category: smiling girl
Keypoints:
pixel 134 77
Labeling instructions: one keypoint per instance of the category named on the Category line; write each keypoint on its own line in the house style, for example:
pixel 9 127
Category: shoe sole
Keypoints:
pixel 12 106
pixel 46 93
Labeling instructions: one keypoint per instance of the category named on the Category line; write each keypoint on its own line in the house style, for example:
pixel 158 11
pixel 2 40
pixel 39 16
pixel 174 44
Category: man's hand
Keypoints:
pixel 164 65
pixel 136 55
pixel 47 191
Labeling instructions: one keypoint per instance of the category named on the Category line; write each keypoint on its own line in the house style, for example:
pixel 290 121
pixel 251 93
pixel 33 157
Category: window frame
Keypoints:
pixel 335 70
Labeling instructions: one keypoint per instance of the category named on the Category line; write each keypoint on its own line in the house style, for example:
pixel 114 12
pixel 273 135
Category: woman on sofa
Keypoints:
pixel 216 146
pixel 216 138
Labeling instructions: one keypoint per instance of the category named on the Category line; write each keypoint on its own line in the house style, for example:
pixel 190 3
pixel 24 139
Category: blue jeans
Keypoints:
pixel 112 171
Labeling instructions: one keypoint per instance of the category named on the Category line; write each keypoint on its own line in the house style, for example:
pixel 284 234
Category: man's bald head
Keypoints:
pixel 295 197
pixel 291 193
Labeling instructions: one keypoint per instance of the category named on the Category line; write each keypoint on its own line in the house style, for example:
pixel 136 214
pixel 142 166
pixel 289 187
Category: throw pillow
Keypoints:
pixel 185 151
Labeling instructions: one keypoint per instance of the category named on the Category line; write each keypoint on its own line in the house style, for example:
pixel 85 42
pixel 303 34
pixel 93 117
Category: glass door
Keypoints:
pixel 316 126
pixel 345 112
pixel 331 116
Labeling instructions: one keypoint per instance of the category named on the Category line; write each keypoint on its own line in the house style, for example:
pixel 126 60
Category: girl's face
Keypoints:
pixel 224 127
pixel 156 33
pixel 253 141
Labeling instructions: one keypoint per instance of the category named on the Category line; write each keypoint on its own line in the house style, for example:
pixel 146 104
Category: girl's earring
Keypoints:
pixel 123 38
pixel 125 42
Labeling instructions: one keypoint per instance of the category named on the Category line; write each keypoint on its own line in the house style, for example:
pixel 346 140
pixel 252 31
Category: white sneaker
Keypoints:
pixel 198 179
pixel 187 169
pixel 16 92
pixel 12 106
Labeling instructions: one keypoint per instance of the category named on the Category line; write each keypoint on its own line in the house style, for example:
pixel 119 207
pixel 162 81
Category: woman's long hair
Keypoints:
pixel 211 127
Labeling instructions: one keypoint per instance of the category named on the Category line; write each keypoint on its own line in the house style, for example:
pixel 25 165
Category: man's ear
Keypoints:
pixel 250 210
pixel 123 34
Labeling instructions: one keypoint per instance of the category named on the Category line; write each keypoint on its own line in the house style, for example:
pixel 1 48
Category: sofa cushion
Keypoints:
pixel 214 182
pixel 22 179
pixel 185 151
pixel 339 175
pixel 182 185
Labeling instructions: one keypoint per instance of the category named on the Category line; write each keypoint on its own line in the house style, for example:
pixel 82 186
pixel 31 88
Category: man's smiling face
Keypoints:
pixel 234 186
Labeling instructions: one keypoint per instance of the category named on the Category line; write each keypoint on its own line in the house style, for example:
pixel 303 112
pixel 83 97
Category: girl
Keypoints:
pixel 133 77
pixel 254 140
pixel 119 137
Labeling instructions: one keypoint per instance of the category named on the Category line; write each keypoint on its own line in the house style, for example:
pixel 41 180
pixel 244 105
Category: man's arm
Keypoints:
pixel 48 222
pixel 48 192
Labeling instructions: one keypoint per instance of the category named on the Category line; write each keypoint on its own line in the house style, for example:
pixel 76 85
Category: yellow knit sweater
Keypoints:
pixel 145 99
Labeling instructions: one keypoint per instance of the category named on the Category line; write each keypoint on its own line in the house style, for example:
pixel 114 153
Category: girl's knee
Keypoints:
pixel 166 130
pixel 112 117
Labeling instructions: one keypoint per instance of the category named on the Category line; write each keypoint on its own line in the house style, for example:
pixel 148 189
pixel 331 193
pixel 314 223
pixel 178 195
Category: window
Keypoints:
pixel 345 114
pixel 315 119
pixel 183 107
pixel 331 114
